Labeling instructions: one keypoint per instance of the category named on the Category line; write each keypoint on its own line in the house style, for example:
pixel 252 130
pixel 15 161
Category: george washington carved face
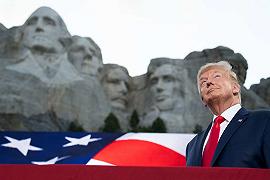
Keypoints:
pixel 42 30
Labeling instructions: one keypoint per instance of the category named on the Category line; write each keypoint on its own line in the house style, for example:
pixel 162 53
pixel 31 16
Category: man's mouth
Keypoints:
pixel 42 38
pixel 120 100
pixel 211 90
pixel 161 97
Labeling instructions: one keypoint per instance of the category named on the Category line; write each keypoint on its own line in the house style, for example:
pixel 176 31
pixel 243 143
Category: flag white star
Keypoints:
pixel 51 161
pixel 22 145
pixel 80 141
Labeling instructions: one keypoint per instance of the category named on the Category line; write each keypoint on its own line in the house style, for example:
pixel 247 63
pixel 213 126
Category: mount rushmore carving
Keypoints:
pixel 52 81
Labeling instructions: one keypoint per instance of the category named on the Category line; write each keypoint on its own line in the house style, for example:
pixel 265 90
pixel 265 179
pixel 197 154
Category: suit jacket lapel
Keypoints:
pixel 235 123
pixel 200 141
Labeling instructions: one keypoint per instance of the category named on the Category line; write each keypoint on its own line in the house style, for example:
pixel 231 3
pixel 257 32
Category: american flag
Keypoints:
pixel 116 149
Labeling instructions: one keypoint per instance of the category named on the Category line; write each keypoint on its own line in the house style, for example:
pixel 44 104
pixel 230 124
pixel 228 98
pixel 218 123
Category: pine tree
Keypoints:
pixel 134 121
pixel 197 129
pixel 111 124
pixel 158 126
pixel 75 127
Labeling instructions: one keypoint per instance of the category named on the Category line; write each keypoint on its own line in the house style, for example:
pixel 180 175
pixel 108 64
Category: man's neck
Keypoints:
pixel 219 107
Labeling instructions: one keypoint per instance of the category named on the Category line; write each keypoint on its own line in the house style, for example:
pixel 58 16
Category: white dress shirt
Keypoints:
pixel 228 114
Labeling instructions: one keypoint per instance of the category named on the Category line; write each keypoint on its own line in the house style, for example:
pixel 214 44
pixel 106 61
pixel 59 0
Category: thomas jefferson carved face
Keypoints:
pixel 116 87
pixel 83 56
pixel 165 86
pixel 42 31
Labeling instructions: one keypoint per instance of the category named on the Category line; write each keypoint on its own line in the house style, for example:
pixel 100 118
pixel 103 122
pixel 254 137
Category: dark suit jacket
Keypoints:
pixel 244 143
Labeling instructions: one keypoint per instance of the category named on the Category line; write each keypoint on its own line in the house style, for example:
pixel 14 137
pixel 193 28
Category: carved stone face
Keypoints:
pixel 164 87
pixel 42 31
pixel 82 56
pixel 116 88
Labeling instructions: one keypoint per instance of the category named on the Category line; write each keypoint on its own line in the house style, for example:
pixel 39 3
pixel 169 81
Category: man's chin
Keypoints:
pixel 211 99
pixel 118 105
pixel 165 106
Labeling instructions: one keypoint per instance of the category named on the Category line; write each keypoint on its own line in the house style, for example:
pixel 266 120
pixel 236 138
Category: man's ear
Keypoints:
pixel 236 88
pixel 205 105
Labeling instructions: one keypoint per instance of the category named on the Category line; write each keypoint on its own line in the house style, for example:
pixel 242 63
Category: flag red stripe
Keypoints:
pixel 139 153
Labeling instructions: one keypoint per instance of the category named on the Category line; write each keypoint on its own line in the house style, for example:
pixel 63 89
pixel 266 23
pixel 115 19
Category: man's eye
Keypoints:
pixel 153 81
pixel 81 49
pixel 203 83
pixel 168 78
pixel 113 81
pixel 49 21
pixel 217 76
pixel 75 49
pixel 31 21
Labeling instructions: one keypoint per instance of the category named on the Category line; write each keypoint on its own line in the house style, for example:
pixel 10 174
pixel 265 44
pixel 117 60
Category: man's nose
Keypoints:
pixel 87 57
pixel 39 26
pixel 209 83
pixel 160 86
pixel 88 52
pixel 123 88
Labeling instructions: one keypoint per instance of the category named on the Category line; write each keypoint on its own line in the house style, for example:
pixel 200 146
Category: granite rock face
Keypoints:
pixel 52 81
pixel 195 60
pixel 117 85
pixel 262 89
pixel 2 27
pixel 169 94
pixel 38 80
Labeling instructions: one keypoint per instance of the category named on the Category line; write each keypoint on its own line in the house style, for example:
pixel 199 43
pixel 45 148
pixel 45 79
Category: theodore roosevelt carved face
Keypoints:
pixel 116 85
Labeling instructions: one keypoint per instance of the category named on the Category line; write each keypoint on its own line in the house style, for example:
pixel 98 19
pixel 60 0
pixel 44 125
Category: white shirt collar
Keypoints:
pixel 229 113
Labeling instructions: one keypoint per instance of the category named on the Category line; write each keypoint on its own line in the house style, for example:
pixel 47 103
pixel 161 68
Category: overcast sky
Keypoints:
pixel 131 32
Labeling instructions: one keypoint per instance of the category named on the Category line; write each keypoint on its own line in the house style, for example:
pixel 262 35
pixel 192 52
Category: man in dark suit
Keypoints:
pixel 236 137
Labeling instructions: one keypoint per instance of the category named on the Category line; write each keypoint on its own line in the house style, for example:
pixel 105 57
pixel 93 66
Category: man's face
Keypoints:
pixel 216 84
pixel 42 31
pixel 82 56
pixel 164 87
pixel 116 88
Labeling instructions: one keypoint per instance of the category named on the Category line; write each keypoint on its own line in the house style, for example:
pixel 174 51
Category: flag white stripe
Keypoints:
pixel 97 162
pixel 176 142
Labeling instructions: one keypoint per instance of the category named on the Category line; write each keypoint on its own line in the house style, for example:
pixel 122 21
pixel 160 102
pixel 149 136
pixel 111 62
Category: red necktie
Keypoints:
pixel 212 142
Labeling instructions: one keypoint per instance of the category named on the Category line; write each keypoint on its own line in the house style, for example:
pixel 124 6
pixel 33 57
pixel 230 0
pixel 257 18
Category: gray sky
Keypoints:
pixel 131 32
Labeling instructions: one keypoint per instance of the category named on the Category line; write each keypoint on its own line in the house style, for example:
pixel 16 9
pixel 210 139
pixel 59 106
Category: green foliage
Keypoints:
pixel 134 120
pixel 157 126
pixel 75 127
pixel 197 129
pixel 111 124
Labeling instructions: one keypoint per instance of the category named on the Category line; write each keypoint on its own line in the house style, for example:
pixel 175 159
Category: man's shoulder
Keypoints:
pixel 196 137
pixel 260 112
